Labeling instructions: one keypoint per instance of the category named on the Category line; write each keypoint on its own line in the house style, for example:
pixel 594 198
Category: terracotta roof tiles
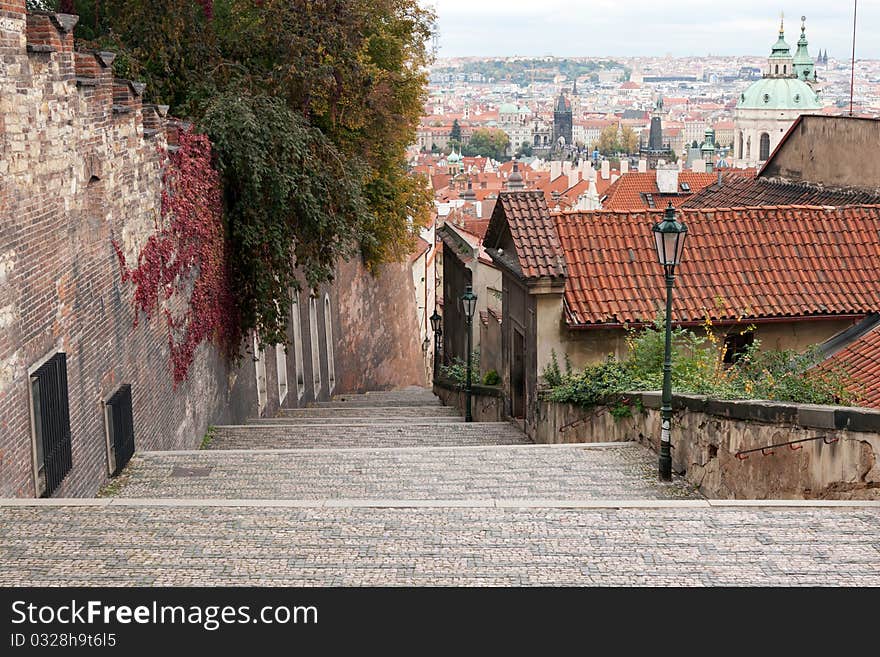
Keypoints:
pixel 739 191
pixel 860 361
pixel 532 231
pixel 763 262
pixel 628 192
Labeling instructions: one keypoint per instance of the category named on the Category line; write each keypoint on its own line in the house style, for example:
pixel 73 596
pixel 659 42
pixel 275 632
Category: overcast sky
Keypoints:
pixel 650 27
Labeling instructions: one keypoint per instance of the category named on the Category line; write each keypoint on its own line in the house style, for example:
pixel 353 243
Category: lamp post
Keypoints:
pixel 437 325
pixel 469 303
pixel 669 236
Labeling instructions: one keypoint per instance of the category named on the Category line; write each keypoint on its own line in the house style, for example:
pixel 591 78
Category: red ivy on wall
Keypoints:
pixel 182 269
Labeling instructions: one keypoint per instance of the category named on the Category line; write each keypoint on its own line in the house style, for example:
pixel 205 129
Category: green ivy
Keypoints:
pixel 289 196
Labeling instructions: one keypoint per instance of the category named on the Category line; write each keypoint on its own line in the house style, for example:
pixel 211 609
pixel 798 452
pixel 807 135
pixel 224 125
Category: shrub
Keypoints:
pixel 491 378
pixel 698 368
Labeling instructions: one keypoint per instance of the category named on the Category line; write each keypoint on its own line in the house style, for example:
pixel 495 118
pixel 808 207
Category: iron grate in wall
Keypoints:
pixel 120 429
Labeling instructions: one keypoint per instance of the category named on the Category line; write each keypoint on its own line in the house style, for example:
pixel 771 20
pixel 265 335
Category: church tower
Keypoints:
pixel 562 123
pixel 768 107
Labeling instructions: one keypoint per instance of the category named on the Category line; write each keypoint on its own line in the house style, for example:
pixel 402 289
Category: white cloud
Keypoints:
pixel 648 27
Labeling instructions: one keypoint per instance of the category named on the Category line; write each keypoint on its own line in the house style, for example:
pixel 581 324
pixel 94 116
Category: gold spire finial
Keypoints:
pixel 781 22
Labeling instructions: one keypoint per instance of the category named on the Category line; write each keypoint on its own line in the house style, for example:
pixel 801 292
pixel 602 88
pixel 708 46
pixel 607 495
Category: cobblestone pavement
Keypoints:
pixel 355 508
pixel 443 546
pixel 385 434
pixel 623 471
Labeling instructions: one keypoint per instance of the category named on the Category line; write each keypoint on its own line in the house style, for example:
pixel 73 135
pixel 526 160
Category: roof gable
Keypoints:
pixel 525 219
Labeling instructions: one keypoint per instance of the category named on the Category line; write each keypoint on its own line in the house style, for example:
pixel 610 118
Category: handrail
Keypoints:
pixel 768 450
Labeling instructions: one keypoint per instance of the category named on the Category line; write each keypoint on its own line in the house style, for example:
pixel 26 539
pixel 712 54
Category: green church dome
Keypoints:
pixel 779 94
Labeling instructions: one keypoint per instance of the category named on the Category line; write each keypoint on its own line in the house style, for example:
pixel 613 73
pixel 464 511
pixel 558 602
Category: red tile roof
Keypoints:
pixel 627 193
pixel 860 361
pixel 526 216
pixel 740 191
pixel 763 262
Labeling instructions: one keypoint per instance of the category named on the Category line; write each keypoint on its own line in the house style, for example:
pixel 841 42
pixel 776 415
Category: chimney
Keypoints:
pixel 698 166
pixel 614 178
pixel 643 166
pixel 624 167
pixel 555 169
pixel 573 178
pixel 606 169
pixel 566 167
pixel 667 179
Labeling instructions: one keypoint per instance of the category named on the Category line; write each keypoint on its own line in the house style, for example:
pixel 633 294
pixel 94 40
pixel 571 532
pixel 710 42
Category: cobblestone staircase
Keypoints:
pixel 393 488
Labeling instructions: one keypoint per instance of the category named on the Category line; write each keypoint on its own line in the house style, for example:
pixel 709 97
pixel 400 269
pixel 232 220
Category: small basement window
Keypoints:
pixel 736 344
pixel 50 424
pixel 119 425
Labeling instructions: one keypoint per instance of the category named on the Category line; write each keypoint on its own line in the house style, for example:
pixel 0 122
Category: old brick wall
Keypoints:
pixel 78 171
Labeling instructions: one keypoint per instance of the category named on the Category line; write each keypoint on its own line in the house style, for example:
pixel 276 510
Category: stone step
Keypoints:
pixel 368 403
pixel 372 411
pixel 529 472
pixel 421 394
pixel 269 436
pixel 371 420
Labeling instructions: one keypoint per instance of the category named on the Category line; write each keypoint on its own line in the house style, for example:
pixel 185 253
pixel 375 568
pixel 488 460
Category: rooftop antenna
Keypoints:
pixel 852 80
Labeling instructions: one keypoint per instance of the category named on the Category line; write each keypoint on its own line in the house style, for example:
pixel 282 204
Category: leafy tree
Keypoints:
pixel 332 87
pixel 525 150
pixel 629 140
pixel 488 142
pixel 608 144
pixel 456 131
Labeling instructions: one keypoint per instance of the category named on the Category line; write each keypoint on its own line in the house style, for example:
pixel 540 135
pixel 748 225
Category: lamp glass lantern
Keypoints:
pixel 469 302
pixel 669 237
pixel 436 321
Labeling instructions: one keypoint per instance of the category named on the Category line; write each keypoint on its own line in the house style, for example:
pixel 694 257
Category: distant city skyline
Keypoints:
pixel 639 28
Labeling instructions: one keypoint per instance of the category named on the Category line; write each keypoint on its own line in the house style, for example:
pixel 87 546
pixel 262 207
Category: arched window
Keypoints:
pixel 298 347
pixel 260 369
pixel 316 356
pixel 328 346
pixel 785 68
pixel 765 147
pixel 777 69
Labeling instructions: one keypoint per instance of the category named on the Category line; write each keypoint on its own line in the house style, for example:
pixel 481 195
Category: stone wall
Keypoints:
pixel 377 343
pixel 487 402
pixel 80 165
pixel 838 458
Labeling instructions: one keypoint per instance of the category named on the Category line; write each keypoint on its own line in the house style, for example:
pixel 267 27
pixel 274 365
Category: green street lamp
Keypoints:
pixel 469 304
pixel 669 236
pixel 437 326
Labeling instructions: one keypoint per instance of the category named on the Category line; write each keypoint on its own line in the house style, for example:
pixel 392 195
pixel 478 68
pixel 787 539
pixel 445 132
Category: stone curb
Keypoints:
pixel 433 448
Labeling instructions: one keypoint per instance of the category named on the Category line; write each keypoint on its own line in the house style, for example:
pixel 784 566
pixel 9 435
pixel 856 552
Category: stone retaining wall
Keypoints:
pixel 487 402
pixel 711 439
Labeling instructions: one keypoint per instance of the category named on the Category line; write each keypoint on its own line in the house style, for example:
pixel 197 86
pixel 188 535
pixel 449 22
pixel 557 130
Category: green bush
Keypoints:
pixel 491 378
pixel 457 371
pixel 698 368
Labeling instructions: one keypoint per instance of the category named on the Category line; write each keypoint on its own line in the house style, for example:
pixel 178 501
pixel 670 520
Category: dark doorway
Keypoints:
pixel 518 376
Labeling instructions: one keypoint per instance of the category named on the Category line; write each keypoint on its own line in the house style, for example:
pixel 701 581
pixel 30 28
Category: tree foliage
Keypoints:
pixel 608 144
pixel 488 142
pixel 310 105
pixel 456 131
